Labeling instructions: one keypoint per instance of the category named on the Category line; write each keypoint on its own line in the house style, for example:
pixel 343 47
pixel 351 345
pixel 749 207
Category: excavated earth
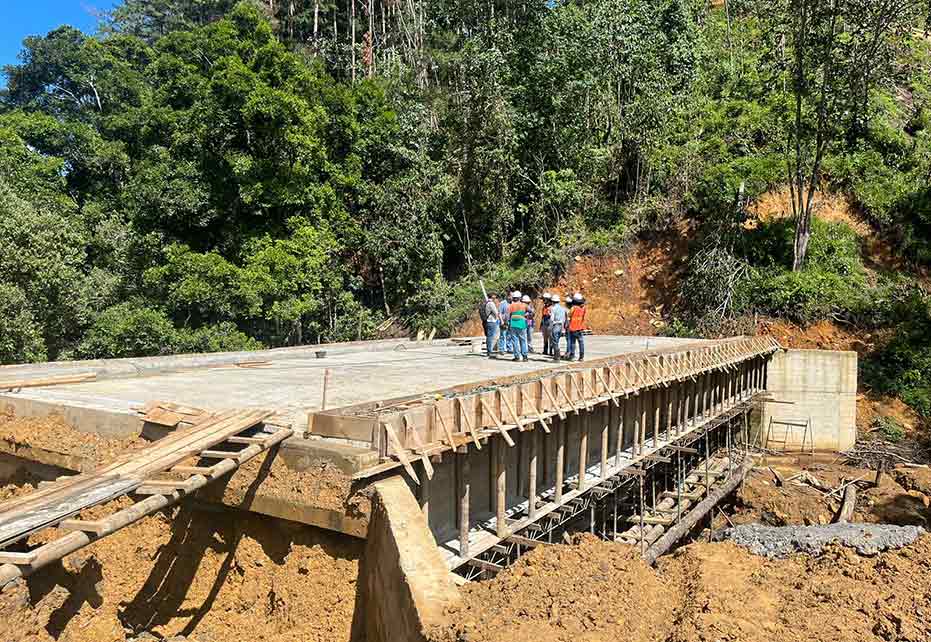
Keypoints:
pixel 205 573
pixel 597 591
pixel 193 575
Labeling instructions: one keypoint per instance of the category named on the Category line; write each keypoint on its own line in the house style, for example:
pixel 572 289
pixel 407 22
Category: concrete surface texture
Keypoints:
pixel 821 386
pixel 290 382
pixel 404 586
pixel 783 541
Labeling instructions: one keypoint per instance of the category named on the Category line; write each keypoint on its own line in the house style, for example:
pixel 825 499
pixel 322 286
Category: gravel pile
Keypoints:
pixel 782 541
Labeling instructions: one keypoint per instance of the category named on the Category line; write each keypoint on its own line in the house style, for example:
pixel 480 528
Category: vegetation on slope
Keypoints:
pixel 213 175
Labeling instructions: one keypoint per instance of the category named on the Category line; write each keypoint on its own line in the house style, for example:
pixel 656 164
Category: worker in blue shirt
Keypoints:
pixel 504 316
pixel 558 319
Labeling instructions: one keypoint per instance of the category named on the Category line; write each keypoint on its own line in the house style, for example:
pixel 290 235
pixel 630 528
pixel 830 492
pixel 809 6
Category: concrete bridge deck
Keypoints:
pixel 291 380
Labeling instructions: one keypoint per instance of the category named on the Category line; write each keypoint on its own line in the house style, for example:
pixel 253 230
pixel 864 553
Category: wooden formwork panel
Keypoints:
pixel 429 425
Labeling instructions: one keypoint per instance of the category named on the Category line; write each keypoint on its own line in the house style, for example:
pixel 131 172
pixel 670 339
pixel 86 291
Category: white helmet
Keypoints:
pixel 555 298
pixel 525 299
pixel 577 297
pixel 515 294
pixel 547 296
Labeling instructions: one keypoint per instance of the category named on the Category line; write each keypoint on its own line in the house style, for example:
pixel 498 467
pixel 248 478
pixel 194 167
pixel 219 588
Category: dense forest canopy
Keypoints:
pixel 206 175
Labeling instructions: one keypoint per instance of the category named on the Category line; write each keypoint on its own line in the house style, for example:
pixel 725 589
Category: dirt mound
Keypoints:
pixel 208 576
pixel 761 500
pixel 822 335
pixel 592 591
pixel 55 434
pixel 597 591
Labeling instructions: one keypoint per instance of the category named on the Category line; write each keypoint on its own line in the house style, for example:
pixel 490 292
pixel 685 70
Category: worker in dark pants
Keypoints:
pixel 577 326
pixel 545 321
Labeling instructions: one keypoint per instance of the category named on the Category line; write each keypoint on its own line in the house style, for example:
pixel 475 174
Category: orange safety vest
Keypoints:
pixel 577 318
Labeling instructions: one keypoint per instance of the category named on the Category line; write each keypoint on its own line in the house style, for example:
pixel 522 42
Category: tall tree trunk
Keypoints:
pixel 352 26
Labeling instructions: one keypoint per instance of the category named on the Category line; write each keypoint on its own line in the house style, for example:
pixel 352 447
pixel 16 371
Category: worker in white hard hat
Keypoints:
pixel 545 321
pixel 517 313
pixel 531 316
pixel 558 318
pixel 577 326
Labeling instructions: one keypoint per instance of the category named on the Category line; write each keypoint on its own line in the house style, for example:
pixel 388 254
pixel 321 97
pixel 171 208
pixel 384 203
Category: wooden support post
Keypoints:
pixel 464 481
pixel 532 474
pixel 605 421
pixel 584 426
pixel 424 497
pixel 657 410
pixel 501 489
pixel 619 446
pixel 560 459
pixel 643 410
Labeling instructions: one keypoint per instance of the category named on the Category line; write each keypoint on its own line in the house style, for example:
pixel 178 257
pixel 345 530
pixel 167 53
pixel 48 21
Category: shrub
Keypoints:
pixel 222 337
pixel 903 366
pixel 128 330
pixel 20 336
pixel 889 428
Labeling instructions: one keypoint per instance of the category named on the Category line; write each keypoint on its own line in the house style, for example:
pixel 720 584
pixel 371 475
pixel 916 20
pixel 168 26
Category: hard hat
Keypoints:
pixel 547 296
pixel 577 297
pixel 516 294
pixel 525 299
pixel 555 298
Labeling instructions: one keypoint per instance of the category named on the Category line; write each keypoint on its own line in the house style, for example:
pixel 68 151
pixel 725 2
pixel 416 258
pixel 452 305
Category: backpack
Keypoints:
pixel 483 311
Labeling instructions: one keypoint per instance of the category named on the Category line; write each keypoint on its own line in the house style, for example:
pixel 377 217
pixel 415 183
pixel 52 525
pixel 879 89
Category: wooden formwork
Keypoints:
pixel 412 429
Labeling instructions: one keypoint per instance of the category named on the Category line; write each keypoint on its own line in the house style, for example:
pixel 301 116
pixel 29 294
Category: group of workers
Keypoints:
pixel 509 324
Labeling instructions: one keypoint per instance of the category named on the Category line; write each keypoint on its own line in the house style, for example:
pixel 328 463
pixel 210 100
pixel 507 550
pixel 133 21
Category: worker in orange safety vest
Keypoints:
pixel 577 326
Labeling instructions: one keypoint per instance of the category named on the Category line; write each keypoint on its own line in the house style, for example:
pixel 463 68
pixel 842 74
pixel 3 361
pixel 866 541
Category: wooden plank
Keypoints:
pixel 399 451
pixel 96 527
pixel 235 439
pixel 464 417
pixel 18 384
pixel 193 470
pixel 219 454
pixel 418 445
pixel 552 400
pixel 494 417
pixel 19 559
pixel 445 427
pixel 511 409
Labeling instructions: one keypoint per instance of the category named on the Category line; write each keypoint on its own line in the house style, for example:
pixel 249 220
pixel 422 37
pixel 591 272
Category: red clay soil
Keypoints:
pixel 208 576
pixel 627 294
pixel 600 592
pixel 53 433
pixel 900 497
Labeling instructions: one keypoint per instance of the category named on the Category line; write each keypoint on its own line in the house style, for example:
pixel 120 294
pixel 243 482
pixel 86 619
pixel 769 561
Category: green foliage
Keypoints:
pixel 20 336
pixel 443 305
pixel 128 330
pixel 903 366
pixel 889 429
pixel 222 337
pixel 244 176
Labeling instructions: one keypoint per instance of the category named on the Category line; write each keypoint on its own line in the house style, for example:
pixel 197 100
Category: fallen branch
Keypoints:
pixel 847 507
pixel 690 519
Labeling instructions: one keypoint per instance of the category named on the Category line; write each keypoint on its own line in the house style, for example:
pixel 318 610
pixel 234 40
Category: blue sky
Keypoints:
pixel 21 18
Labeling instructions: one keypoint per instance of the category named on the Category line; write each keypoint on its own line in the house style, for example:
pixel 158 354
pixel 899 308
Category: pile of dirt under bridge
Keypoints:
pixel 192 575
pixel 597 591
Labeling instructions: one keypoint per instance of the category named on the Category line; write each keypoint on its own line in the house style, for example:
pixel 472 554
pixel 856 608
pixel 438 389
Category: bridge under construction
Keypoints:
pixel 449 465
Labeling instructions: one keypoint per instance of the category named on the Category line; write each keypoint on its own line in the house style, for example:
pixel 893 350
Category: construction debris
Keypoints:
pixel 783 541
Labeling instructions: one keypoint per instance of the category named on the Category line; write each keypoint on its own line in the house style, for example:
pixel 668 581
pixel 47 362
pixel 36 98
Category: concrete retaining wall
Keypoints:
pixel 404 587
pixel 822 385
